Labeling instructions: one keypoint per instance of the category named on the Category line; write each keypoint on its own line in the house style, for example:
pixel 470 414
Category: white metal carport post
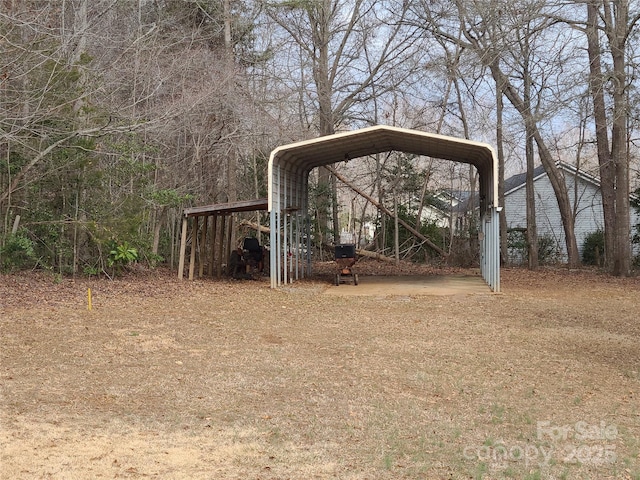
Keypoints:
pixel 495 248
pixel 284 215
pixel 490 248
pixel 274 227
pixel 490 227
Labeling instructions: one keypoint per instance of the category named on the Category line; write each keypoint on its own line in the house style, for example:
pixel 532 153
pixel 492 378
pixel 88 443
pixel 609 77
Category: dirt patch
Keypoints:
pixel 205 379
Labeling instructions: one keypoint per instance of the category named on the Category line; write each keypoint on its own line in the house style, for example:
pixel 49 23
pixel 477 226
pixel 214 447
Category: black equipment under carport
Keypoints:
pixel 247 260
pixel 345 255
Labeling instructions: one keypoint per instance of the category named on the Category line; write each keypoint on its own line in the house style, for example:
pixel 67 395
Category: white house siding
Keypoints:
pixel 589 215
pixel 548 219
pixel 431 214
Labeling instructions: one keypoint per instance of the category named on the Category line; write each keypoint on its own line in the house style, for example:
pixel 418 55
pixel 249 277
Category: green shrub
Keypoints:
pixel 120 255
pixel 18 252
pixel 593 249
pixel 547 250
pixel 517 246
pixel 519 253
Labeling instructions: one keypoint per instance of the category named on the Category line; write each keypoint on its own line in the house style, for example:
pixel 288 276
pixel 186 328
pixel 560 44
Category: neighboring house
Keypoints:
pixel 586 201
pixel 449 207
pixel 435 211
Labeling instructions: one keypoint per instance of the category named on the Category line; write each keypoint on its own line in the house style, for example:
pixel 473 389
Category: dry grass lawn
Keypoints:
pixel 233 380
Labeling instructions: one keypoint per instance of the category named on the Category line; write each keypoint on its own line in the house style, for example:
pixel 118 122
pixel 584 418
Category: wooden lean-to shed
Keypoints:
pixel 215 225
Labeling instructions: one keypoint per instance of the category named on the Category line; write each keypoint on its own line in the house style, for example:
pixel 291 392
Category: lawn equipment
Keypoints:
pixel 345 255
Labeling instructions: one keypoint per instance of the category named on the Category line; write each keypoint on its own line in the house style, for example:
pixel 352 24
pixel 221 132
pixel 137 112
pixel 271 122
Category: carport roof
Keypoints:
pixel 304 156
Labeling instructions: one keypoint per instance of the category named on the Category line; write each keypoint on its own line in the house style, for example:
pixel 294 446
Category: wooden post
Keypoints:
pixel 202 254
pixel 183 247
pixel 230 238
pixel 194 241
pixel 214 226
pixel 221 245
pixel 16 224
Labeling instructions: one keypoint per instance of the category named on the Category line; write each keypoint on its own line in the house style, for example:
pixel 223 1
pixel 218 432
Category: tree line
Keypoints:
pixel 117 115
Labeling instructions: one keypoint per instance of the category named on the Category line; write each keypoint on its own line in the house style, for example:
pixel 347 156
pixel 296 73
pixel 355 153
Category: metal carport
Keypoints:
pixel 290 165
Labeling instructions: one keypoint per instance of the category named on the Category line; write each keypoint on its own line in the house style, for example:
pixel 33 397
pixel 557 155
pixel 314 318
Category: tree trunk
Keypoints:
pixel 617 35
pixel 607 167
pixel 562 197
pixel 396 229
pixel 160 217
pixel 374 255
pixel 381 239
pixel 504 247
pixel 613 158
pixel 532 229
pixel 322 80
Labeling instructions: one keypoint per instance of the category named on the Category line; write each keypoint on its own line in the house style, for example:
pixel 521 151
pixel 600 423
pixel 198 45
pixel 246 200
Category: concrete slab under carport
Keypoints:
pixel 437 285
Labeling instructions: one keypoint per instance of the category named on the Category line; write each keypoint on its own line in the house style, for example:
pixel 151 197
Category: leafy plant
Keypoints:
pixel 18 252
pixel 121 254
pixel 593 249
pixel 90 270
pixel 168 197
pixel 519 253
pixel 547 250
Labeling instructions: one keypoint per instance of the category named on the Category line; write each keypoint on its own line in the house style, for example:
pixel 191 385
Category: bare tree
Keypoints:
pixel 130 100
pixel 611 22
pixel 332 37
pixel 504 247
pixel 488 32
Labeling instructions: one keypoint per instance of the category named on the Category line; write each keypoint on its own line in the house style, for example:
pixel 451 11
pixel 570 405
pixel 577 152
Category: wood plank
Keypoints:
pixel 202 250
pixel 226 208
pixel 194 240
pixel 183 247
pixel 229 241
pixel 214 226
pixel 223 220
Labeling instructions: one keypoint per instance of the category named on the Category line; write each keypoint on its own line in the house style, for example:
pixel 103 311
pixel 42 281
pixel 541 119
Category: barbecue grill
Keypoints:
pixel 345 260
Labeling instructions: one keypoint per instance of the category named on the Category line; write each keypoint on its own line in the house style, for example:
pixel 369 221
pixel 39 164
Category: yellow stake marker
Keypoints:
pixel 89 299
